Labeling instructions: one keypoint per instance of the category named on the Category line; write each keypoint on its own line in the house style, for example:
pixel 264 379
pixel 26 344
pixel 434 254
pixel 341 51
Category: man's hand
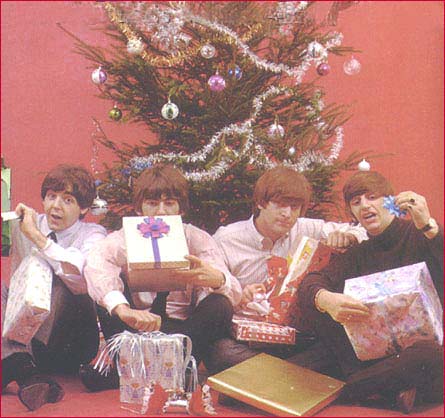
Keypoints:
pixel 417 207
pixel 342 308
pixel 139 320
pixel 250 290
pixel 28 225
pixel 201 274
pixel 340 240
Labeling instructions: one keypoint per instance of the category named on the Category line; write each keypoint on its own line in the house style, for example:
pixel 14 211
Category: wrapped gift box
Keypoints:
pixel 309 256
pixel 405 308
pixel 29 299
pixel 277 386
pixel 256 331
pixel 156 246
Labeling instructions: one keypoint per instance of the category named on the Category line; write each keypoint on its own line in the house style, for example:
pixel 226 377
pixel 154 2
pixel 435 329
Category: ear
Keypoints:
pixel 83 212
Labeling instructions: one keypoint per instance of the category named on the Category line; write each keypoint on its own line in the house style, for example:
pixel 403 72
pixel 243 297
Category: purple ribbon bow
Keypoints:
pixel 154 228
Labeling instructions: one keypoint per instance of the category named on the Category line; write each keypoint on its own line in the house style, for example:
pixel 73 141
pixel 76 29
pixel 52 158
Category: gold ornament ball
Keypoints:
pixel 115 114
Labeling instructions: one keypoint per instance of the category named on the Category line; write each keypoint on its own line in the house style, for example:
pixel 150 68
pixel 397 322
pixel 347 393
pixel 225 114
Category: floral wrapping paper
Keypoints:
pixel 29 299
pixel 405 308
pixel 246 330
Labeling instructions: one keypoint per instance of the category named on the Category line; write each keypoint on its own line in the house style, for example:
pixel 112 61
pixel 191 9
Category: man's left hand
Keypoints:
pixel 340 240
pixel 417 207
pixel 201 274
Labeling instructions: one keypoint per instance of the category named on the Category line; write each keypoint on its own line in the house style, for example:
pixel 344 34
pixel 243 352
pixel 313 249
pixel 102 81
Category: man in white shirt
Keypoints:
pixel 280 200
pixel 69 336
pixel 203 311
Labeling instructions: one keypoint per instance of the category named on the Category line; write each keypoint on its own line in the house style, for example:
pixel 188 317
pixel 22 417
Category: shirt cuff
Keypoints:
pixel 114 298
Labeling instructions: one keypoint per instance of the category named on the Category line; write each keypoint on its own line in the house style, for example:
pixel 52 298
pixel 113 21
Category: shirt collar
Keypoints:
pixel 262 242
pixel 44 228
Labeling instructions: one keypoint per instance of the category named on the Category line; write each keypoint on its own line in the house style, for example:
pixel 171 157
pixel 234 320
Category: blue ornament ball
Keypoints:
pixel 235 72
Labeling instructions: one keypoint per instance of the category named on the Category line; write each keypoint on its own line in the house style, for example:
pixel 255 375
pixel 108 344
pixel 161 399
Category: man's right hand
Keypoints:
pixel 28 225
pixel 342 308
pixel 139 320
pixel 250 290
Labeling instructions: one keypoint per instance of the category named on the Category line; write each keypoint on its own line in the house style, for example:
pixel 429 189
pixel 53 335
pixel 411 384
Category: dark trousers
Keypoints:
pixel 420 366
pixel 210 321
pixel 74 333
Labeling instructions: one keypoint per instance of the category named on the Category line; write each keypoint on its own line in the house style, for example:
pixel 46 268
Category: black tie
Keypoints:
pixel 52 235
pixel 159 305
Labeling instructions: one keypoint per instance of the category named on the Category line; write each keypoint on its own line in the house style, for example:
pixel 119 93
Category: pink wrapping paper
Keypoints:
pixel 405 308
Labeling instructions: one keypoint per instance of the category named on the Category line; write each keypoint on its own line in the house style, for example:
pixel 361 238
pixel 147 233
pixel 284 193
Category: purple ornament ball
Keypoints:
pixel 323 69
pixel 216 83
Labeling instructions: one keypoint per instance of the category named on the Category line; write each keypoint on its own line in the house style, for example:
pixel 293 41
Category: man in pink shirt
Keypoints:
pixel 203 312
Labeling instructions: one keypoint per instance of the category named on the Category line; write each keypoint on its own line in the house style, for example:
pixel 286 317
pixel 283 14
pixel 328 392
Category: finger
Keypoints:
pixel 196 262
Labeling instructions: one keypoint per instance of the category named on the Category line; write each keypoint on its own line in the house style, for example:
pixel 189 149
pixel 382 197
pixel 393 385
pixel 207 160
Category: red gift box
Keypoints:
pixel 256 331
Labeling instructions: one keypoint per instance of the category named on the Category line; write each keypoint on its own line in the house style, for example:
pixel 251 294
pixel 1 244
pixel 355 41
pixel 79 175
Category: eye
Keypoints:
pixel 69 200
pixel 355 201
pixel 51 196
pixel 372 196
pixel 170 202
pixel 150 202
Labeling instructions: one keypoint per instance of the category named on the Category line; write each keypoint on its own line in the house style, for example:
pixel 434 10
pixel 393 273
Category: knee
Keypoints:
pixel 218 306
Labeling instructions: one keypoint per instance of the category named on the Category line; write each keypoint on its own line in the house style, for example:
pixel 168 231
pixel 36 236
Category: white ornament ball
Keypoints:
pixel 170 111
pixel 275 131
pixel 99 206
pixel 352 66
pixel 316 50
pixel 363 165
pixel 208 51
pixel 135 46
pixel 98 76
pixel 291 151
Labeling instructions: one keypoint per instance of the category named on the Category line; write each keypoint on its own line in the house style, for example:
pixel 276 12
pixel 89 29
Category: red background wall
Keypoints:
pixel 48 99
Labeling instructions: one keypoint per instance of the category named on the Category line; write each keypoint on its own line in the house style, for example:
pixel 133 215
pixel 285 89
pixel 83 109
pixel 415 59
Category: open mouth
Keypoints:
pixel 56 217
pixel 369 216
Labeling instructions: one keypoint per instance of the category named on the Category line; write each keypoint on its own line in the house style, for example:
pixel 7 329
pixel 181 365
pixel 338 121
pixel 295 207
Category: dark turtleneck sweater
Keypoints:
pixel 401 244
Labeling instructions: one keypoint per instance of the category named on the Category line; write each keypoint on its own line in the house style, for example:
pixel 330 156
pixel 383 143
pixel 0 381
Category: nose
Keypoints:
pixel 364 202
pixel 286 210
pixel 57 202
pixel 161 209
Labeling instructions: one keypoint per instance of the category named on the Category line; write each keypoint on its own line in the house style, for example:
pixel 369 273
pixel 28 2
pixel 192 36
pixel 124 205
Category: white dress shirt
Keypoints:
pixel 73 245
pixel 109 257
pixel 246 251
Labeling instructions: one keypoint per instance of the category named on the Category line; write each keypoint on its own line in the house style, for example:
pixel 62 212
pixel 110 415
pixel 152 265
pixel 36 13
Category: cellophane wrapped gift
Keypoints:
pixel 309 256
pixel 405 308
pixel 156 246
pixel 263 332
pixel 29 299
pixel 149 358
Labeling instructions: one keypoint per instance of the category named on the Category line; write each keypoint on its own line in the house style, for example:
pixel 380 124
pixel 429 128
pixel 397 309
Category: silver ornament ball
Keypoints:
pixel 363 165
pixel 99 206
pixel 170 111
pixel 275 131
pixel 208 51
pixel 352 66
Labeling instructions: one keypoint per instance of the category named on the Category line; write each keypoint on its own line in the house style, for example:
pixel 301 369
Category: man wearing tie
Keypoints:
pixel 69 336
pixel 204 315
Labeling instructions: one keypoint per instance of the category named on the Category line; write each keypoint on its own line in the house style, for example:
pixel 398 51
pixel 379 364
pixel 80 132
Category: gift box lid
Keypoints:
pixel 155 242
pixel 277 386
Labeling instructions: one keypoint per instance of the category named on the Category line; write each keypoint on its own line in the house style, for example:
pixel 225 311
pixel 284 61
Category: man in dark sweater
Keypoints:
pixel 393 242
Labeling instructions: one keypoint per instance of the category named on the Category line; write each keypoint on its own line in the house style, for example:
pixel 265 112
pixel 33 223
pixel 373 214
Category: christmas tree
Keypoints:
pixel 224 87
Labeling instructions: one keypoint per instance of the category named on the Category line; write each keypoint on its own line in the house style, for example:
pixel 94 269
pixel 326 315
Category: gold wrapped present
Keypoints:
pixel 277 386
pixel 156 247
pixel 29 299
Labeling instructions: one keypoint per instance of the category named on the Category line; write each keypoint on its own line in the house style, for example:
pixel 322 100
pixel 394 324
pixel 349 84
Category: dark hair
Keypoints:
pixel 283 185
pixel 161 179
pixel 72 179
pixel 364 182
